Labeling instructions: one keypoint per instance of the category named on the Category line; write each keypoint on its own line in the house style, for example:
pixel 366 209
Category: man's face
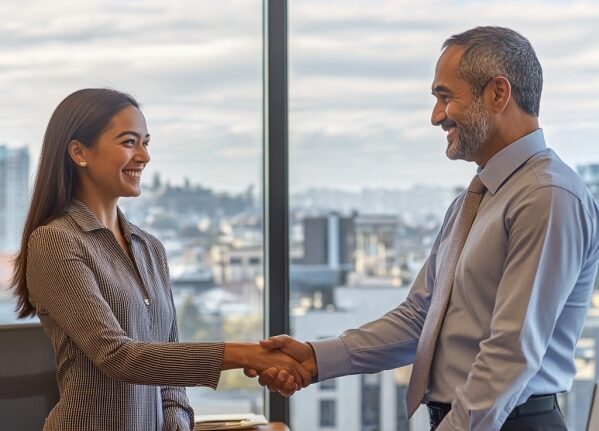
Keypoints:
pixel 457 111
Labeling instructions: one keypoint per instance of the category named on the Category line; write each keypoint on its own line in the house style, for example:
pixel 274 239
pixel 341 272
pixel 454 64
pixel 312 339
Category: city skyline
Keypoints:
pixel 359 82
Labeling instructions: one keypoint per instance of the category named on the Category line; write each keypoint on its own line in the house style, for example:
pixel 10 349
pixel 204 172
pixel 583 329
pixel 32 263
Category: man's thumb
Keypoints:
pixel 276 342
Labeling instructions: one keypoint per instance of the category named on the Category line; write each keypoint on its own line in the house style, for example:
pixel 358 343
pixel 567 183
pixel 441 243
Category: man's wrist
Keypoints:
pixel 315 371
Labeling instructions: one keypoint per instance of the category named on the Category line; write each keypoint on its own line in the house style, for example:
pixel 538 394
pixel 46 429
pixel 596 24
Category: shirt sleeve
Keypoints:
pixel 548 242
pixel 63 286
pixel 386 343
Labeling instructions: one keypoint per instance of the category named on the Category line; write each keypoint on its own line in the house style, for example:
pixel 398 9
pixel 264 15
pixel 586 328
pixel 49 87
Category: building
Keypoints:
pixel 360 402
pixel 329 241
pixel 328 244
pixel 14 196
pixel 236 263
pixel 376 245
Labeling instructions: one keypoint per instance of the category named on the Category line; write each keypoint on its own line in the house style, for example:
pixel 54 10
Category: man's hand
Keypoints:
pixel 256 357
pixel 278 380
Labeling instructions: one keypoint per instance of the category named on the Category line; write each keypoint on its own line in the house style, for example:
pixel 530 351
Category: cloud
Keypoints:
pixel 359 81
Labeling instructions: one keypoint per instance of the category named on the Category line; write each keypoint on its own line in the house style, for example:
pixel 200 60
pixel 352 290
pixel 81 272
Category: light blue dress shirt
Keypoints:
pixel 521 290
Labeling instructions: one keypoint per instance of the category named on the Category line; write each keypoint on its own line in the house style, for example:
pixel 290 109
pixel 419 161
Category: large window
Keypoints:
pixel 197 71
pixel 369 180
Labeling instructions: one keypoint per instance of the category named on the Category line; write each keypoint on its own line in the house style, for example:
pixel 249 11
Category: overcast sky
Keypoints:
pixel 360 75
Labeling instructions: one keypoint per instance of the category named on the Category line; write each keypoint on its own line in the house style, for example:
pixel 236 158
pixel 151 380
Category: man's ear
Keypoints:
pixel 498 93
pixel 77 153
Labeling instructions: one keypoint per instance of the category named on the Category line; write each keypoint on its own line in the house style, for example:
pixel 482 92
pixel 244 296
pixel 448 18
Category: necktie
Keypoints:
pixel 440 296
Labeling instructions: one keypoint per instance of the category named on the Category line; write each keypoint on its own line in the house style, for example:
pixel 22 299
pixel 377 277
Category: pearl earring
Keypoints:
pixel 83 163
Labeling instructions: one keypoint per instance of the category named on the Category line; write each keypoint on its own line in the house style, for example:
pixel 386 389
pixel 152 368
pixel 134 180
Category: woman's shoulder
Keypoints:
pixel 61 226
pixel 59 235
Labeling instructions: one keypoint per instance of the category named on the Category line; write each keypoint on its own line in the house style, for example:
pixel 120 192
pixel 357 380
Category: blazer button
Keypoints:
pixel 146 301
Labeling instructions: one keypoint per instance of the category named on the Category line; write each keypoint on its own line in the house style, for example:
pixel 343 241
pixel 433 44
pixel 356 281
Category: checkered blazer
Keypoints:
pixel 113 327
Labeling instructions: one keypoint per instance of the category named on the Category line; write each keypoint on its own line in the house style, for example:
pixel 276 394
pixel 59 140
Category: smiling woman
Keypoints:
pixel 100 285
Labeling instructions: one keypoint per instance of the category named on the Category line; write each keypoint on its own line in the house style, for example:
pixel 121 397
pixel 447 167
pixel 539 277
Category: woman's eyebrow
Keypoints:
pixel 131 132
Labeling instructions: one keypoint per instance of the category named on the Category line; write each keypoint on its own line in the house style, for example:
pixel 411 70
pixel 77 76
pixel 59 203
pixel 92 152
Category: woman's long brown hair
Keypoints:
pixel 82 116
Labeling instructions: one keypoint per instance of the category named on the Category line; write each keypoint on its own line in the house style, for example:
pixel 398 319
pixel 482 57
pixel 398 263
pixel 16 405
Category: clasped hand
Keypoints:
pixel 279 379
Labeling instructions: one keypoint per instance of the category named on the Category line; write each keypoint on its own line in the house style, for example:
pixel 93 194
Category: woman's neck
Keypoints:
pixel 104 210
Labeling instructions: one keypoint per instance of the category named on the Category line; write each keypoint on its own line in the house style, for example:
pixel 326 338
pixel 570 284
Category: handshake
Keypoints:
pixel 281 363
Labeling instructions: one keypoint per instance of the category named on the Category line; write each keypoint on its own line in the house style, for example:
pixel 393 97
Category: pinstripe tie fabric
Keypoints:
pixel 440 297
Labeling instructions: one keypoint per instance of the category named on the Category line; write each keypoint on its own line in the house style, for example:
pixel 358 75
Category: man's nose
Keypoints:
pixel 438 115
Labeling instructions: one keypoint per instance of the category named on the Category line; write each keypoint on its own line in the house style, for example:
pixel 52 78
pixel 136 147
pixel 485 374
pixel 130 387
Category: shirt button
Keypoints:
pixel 146 301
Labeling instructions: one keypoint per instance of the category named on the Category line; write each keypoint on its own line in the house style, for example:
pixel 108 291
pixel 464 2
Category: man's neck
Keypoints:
pixel 505 135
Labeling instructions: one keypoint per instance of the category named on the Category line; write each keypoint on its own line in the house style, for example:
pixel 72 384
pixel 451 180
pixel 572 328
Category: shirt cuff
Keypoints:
pixel 332 358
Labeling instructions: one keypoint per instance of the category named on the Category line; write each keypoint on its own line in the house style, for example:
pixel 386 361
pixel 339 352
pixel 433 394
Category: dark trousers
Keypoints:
pixel 547 421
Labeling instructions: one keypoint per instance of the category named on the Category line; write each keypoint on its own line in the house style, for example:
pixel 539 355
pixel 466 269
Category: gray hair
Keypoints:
pixel 497 51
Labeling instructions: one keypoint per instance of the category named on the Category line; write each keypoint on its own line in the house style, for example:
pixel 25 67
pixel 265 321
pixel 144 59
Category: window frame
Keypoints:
pixel 275 185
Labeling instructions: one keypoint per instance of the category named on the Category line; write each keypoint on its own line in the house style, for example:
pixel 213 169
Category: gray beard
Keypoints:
pixel 472 133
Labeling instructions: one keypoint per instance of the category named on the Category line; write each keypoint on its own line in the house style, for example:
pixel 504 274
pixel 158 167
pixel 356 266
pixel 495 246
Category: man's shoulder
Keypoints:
pixel 546 169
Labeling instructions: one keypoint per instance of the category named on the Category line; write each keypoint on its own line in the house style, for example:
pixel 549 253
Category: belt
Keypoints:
pixel 534 405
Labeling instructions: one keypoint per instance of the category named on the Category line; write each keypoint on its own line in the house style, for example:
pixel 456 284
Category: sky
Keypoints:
pixel 359 82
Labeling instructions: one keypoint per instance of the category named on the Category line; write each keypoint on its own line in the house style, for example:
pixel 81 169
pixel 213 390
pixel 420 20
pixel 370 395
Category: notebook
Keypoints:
pixel 244 421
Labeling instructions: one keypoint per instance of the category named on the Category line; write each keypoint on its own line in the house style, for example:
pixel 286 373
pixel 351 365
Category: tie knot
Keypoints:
pixel 476 186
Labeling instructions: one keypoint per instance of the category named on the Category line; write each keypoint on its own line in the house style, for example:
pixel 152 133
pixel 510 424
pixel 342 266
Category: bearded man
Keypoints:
pixel 493 317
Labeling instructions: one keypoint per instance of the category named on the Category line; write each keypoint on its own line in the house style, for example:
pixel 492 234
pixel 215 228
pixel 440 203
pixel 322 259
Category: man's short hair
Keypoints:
pixel 497 51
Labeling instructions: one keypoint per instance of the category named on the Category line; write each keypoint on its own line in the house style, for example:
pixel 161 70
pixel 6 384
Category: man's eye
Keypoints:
pixel 129 142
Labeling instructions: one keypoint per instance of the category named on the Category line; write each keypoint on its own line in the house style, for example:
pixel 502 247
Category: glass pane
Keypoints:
pixel 197 71
pixel 369 179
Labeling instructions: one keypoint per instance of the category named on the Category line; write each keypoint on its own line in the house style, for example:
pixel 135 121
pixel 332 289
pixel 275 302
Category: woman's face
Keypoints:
pixel 116 161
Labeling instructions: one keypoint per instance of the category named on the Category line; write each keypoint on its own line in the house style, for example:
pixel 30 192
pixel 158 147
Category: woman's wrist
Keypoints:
pixel 236 355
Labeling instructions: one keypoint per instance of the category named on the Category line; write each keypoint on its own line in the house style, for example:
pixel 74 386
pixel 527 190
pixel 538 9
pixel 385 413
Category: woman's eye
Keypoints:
pixel 129 142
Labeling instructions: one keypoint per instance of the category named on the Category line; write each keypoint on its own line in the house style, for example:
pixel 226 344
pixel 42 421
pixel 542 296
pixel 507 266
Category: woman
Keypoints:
pixel 100 285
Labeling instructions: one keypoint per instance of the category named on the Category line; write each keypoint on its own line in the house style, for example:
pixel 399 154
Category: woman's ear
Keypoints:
pixel 499 93
pixel 77 153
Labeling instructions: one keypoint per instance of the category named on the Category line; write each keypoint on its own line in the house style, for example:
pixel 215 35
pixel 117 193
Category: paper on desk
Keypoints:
pixel 228 422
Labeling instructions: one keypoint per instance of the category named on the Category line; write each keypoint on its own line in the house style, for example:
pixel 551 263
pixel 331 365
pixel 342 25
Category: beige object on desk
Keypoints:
pixel 231 422
pixel 274 426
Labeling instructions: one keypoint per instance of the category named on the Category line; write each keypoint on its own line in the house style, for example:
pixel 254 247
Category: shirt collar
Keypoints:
pixel 88 221
pixel 505 162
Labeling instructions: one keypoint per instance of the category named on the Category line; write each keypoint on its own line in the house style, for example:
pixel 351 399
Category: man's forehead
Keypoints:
pixel 449 60
pixel 447 66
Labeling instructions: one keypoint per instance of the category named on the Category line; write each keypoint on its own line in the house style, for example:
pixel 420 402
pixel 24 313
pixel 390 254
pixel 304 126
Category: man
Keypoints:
pixel 493 317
